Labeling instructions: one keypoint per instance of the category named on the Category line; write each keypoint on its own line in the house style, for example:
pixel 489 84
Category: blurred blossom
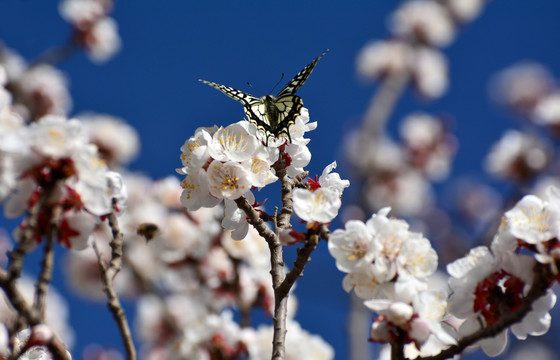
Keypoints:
pixel 533 350
pixel 54 154
pixel 429 71
pixel 300 344
pixel 12 62
pixel 543 183
pixel 102 41
pixel 547 112
pixel 98 352
pixel 430 147
pixel 83 13
pixel 42 90
pixel 465 10
pixel 380 58
pixel 56 314
pixel 117 141
pixel 407 192
pixel 476 201
pixel 521 86
pixel 424 21
pixel 427 66
pixel 93 29
pixel 518 156
pixel 369 156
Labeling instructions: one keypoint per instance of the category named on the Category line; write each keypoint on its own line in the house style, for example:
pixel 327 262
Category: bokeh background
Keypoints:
pixel 167 45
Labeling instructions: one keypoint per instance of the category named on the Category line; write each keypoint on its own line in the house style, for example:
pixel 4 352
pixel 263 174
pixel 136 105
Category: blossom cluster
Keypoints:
pixel 92 27
pixel 227 163
pixel 398 173
pixel 53 162
pixel 418 28
pixel 530 91
pixel 491 283
pixel 389 266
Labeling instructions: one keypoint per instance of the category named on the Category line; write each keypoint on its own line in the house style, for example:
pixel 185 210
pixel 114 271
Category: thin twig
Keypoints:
pixel 45 276
pixel 32 316
pixel 109 273
pixel 58 54
pixel 302 259
pixel 116 244
pixel 17 255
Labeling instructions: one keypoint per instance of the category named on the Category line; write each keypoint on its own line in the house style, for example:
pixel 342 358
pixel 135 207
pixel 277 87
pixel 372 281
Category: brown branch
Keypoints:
pixel 538 289
pixel 45 276
pixel 109 273
pixel 278 275
pixel 17 255
pixel 302 259
pixel 384 102
pixel 116 244
pixel 57 54
pixel 32 316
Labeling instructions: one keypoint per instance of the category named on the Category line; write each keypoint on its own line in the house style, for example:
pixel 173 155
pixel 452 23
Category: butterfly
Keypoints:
pixel 272 115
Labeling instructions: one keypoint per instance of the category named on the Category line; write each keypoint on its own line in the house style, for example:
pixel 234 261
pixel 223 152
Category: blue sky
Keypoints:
pixel 168 45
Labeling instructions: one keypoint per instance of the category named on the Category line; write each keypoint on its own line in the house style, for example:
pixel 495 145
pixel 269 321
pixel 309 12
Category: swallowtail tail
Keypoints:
pixel 272 115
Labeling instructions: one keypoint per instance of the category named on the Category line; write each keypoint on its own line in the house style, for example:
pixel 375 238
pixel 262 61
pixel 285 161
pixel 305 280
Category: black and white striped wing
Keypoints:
pixel 242 97
pixel 300 78
pixel 275 123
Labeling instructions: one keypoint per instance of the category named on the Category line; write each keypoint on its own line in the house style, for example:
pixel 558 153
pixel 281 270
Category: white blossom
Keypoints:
pixel 116 140
pixel 320 205
pixel 352 248
pixel 379 58
pixel 228 180
pixel 430 72
pixel 425 20
pixel 232 143
pixel 518 155
pixel 102 41
pixel 465 10
pixel 547 110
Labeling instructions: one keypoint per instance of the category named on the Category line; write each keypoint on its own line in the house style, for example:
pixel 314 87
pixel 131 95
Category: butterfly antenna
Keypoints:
pixel 254 88
pixel 279 81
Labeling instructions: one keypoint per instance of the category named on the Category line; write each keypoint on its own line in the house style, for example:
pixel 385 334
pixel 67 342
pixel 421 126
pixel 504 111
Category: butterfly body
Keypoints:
pixel 272 115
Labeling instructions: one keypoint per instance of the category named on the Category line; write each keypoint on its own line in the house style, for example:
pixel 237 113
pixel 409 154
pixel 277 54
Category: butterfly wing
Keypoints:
pixel 300 78
pixel 238 95
pixel 277 122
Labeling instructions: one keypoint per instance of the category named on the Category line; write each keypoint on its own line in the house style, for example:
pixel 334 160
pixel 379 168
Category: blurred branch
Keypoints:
pixel 57 54
pixel 16 256
pixel 383 103
pixel 109 273
pixel 47 265
pixel 32 316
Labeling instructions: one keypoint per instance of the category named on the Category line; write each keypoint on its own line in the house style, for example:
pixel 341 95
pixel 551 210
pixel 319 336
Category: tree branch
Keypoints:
pixel 45 276
pixel 31 315
pixel 17 255
pixel 302 259
pixel 278 275
pixel 109 273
